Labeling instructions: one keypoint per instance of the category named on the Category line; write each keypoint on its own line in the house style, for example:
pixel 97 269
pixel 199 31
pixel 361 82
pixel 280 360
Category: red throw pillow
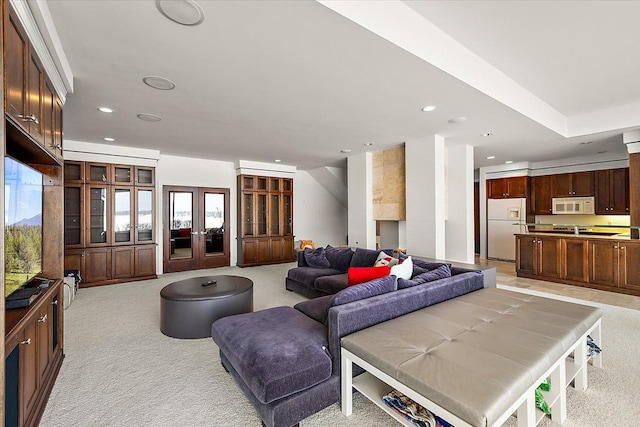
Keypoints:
pixel 185 232
pixel 364 274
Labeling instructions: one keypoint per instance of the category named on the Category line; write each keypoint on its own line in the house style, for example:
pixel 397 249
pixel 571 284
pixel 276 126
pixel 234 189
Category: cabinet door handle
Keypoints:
pixel 623 247
pixel 42 319
pixel 54 302
pixel 615 247
pixel 606 209
pixel 26 342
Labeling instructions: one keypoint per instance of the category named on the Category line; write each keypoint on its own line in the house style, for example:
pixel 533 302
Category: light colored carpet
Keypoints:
pixel 120 370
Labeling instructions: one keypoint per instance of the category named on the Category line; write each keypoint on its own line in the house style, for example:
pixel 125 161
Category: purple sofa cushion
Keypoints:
pixel 316 258
pixel 428 265
pixel 428 276
pixel 277 352
pixel 331 284
pixel 315 308
pixel 365 290
pixel 339 258
pixel 308 275
pixel 364 257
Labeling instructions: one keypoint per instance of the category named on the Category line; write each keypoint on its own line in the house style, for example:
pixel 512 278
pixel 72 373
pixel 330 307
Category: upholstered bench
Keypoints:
pixel 276 352
pixel 476 359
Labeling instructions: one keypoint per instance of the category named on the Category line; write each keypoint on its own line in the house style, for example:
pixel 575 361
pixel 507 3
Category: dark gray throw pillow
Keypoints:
pixel 339 258
pixel 365 290
pixel 316 258
pixel 439 273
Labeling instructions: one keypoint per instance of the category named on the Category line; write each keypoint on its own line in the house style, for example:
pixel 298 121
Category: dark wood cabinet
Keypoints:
pixel 265 220
pixel 107 216
pixel 573 184
pixel 574 260
pixel 615 263
pixel 537 255
pixel 612 192
pixel 33 349
pixel 16 53
pixel 540 201
pixel 630 265
pixel 507 188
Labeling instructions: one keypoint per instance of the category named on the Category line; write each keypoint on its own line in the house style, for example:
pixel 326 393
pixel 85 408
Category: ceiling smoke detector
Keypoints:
pixel 159 83
pixel 148 117
pixel 183 12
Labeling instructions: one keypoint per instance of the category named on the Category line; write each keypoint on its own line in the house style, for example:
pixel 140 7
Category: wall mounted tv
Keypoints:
pixel 23 224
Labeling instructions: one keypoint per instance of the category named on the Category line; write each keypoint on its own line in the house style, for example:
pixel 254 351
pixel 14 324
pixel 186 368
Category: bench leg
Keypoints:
pixel 346 374
pixel 527 412
pixel 580 359
pixel 558 383
pixel 596 334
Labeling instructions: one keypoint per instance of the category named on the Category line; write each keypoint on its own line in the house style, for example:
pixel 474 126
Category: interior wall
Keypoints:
pixel 192 172
pixel 361 226
pixel 317 215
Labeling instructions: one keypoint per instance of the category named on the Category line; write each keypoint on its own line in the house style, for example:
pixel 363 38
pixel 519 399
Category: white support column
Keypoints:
pixel 425 184
pixel 459 221
pixel 361 226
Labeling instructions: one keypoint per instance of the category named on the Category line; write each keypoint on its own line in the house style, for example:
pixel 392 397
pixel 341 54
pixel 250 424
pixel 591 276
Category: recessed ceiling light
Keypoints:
pixel 586 142
pixel 487 134
pixel 428 108
pixel 148 117
pixel 277 160
pixel 509 162
pixel 157 82
pixel 109 139
pixel 105 109
pixel 183 12
pixel 345 150
pixel 491 157
pixel 458 120
pixel 368 144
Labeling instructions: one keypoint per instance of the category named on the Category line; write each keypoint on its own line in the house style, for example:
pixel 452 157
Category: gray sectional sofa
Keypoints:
pixel 286 360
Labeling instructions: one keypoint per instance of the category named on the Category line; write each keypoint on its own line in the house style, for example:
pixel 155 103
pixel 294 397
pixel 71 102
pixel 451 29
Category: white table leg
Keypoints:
pixel 596 334
pixel 580 359
pixel 527 412
pixel 346 374
pixel 558 382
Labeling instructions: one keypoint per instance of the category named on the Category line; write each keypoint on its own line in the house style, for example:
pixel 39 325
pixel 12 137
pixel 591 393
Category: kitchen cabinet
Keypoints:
pixel 16 53
pixel 538 255
pixel 574 261
pixel 507 188
pixel 265 218
pixel 615 263
pixel 612 192
pixel 33 343
pixel 540 201
pixel 573 184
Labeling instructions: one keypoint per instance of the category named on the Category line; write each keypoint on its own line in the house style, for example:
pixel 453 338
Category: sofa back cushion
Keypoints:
pixel 316 258
pixel 366 257
pixel 439 273
pixel 339 258
pixel 365 290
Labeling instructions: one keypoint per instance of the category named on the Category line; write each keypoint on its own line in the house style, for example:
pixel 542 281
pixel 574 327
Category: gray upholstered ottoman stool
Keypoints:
pixel 189 307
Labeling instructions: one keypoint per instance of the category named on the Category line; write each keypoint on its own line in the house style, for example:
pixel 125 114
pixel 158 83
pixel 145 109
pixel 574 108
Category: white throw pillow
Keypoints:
pixel 404 270
pixel 384 259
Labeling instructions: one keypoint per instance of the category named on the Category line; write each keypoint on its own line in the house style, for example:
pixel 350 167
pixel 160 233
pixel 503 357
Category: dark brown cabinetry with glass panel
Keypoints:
pixel 265 216
pixel 109 222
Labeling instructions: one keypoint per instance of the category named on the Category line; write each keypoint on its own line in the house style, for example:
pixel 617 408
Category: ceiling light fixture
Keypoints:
pixel 429 108
pixel 183 12
pixel 458 119
pixel 148 117
pixel 509 162
pixel 487 134
pixel 586 142
pixel 105 109
pixel 368 144
pixel 491 157
pixel 345 150
pixel 159 83
pixel 109 139
pixel 277 160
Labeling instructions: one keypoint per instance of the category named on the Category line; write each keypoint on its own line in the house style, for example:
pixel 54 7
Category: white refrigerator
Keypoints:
pixel 505 217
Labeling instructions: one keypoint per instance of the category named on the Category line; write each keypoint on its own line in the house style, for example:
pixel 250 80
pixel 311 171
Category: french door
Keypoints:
pixel 196 228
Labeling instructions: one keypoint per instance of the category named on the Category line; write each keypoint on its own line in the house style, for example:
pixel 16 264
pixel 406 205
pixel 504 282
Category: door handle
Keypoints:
pixel 203 232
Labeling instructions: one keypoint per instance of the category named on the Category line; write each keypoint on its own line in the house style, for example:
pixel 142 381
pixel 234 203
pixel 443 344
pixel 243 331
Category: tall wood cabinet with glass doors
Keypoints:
pixel 109 222
pixel 265 220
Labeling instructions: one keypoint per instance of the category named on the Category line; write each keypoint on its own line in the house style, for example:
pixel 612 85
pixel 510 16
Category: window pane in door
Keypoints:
pixel 122 215
pixel 261 215
pixel 274 226
pixel 145 215
pixel 180 224
pixel 98 215
pixel 214 222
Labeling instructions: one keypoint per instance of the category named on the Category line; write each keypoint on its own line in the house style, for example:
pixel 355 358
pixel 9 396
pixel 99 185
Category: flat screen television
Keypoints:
pixel 23 224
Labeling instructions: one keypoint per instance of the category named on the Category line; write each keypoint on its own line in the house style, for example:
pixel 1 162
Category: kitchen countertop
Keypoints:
pixel 570 234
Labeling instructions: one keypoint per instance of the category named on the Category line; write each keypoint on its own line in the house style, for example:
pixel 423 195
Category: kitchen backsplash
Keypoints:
pixel 583 219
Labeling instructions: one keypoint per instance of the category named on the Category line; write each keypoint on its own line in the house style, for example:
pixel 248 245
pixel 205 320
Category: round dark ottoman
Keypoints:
pixel 189 307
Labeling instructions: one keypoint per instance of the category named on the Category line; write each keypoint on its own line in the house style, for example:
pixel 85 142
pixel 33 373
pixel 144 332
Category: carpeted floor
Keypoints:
pixel 120 370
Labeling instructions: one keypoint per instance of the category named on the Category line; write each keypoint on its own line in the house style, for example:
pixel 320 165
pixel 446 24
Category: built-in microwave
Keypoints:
pixel 574 205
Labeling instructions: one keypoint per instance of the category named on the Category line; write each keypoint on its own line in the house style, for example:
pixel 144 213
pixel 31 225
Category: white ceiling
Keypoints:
pixel 301 80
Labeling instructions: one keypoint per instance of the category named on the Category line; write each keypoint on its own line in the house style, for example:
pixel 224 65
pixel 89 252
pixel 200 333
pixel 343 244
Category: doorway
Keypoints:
pixel 196 228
